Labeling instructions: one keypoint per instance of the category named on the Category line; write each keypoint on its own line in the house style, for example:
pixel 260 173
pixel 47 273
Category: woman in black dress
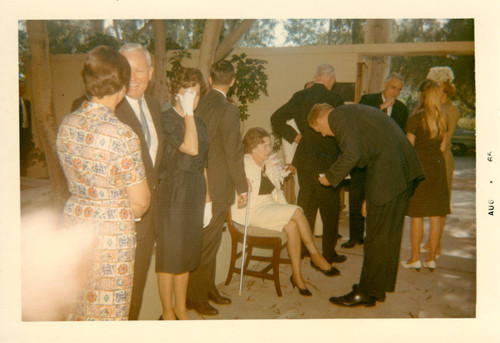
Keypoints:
pixel 184 203
pixel 426 130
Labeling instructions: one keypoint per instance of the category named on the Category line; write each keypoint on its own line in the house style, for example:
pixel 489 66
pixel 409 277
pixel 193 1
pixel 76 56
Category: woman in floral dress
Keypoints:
pixel 101 159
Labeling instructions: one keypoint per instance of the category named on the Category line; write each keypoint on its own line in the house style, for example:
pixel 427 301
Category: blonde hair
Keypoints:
pixel 429 106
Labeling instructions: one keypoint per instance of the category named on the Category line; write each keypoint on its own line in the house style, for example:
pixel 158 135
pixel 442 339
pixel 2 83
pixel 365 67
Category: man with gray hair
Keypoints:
pixel 387 101
pixel 143 114
pixel 313 156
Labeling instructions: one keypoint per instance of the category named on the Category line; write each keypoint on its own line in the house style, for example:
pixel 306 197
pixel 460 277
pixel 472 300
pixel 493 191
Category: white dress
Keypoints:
pixel 270 211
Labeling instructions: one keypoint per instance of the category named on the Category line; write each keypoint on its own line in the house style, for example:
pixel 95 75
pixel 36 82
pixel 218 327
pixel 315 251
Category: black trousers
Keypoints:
pixel 356 197
pixel 313 196
pixel 143 252
pixel 202 279
pixel 384 229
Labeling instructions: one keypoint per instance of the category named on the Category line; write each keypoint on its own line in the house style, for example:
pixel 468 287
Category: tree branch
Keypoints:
pixel 209 45
pixel 141 31
pixel 228 43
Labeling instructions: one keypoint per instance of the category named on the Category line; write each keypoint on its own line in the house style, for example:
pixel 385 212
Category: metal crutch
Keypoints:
pixel 244 240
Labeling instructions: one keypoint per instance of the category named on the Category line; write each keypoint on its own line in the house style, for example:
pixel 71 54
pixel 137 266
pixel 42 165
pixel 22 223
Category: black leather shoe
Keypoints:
pixel 337 259
pixel 202 308
pixel 353 299
pixel 215 297
pixel 330 272
pixel 350 244
pixel 303 291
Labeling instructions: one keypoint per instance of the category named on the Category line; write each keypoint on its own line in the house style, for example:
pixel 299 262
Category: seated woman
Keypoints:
pixel 269 209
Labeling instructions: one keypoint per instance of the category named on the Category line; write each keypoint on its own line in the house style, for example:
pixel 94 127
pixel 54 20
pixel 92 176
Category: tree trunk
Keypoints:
pixel 160 56
pixel 43 113
pixel 228 43
pixel 378 31
pixel 209 44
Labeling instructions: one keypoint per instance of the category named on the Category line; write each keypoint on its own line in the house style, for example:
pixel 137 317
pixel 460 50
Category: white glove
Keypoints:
pixel 187 101
pixel 207 215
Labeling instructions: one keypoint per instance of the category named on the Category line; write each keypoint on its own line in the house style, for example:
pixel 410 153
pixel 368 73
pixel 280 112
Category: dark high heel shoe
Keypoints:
pixel 303 291
pixel 330 272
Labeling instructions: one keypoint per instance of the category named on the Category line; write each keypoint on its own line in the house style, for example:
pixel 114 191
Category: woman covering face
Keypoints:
pixel 184 202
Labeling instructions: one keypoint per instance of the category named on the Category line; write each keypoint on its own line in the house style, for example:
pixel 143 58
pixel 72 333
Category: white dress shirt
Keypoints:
pixel 153 147
pixel 389 109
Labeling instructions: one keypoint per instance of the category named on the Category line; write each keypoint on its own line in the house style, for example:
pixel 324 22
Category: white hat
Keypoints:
pixel 441 74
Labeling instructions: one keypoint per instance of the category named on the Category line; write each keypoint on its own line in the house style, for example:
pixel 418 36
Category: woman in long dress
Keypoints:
pixel 101 159
pixel 184 203
pixel 269 209
pixel 443 76
pixel 426 130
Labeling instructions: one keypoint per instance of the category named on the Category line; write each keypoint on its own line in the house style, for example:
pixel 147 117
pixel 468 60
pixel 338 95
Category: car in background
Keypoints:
pixel 462 141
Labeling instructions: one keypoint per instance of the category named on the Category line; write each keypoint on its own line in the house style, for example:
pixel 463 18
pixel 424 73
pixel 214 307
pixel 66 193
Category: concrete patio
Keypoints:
pixel 447 292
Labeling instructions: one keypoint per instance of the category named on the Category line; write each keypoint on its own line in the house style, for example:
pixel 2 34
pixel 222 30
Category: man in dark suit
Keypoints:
pixel 143 114
pixel 367 138
pixel 387 102
pixel 313 156
pixel 226 173
pixel 25 130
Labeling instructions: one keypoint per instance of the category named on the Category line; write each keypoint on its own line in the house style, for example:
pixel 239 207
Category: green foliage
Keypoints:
pixel 251 82
pixel 175 63
pixel 302 32
pixel 95 40
pixel 415 68
pixel 24 52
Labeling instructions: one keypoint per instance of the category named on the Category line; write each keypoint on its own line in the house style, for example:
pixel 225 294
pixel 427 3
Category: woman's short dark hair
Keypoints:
pixel 105 72
pixel 187 78
pixel 254 137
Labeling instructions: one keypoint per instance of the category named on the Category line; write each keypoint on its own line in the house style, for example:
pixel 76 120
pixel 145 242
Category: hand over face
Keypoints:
pixel 187 101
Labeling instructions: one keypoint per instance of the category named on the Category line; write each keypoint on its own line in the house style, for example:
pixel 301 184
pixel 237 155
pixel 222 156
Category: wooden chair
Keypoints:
pixel 261 238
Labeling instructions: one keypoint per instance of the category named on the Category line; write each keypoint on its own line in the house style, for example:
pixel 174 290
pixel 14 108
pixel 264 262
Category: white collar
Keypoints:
pixel 221 92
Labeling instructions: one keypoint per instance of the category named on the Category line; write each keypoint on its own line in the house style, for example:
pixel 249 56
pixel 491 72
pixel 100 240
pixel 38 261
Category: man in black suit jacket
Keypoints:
pixel 387 102
pixel 313 156
pixel 149 132
pixel 25 130
pixel 226 173
pixel 367 138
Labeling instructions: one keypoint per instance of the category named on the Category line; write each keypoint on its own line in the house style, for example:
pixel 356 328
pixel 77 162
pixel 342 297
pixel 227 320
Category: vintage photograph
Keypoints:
pixel 231 169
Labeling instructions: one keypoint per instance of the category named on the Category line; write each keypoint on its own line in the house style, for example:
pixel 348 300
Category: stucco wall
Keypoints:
pixel 287 69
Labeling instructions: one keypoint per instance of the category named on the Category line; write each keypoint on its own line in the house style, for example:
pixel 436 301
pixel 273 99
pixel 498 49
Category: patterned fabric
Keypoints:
pixel 100 156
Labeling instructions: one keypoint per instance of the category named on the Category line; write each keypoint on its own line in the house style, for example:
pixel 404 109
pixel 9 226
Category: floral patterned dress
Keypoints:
pixel 100 156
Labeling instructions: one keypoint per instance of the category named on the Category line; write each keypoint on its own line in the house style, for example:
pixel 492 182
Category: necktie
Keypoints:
pixel 144 124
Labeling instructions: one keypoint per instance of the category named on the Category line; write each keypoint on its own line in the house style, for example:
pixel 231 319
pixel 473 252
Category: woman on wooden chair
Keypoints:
pixel 269 209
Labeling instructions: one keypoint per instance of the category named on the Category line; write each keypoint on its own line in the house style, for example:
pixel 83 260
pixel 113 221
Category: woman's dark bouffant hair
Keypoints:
pixel 186 78
pixel 105 72
pixel 254 137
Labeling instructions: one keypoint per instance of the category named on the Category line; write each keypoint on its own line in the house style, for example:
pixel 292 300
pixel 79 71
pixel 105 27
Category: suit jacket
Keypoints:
pixel 367 137
pixel 314 153
pixel 399 110
pixel 225 168
pixel 126 115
